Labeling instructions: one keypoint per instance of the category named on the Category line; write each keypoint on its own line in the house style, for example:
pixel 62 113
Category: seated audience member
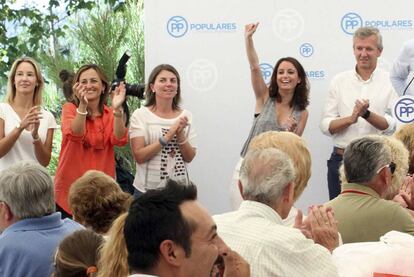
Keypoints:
pixel 168 233
pixel 361 209
pixel 77 255
pixel 406 134
pixel 114 255
pixel 31 228
pixel 96 200
pixel 295 147
pixel 256 229
pixel 399 155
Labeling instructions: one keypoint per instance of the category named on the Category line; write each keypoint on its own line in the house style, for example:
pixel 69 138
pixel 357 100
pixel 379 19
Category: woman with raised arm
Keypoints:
pixel 90 130
pixel 162 134
pixel 26 130
pixel 281 106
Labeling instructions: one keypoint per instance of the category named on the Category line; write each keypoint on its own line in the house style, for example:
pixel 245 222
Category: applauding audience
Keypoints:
pixel 31 227
pixel 90 130
pixel 361 210
pixel 26 130
pixel 256 229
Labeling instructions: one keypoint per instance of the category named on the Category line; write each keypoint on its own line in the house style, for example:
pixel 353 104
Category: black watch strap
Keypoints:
pixel 366 114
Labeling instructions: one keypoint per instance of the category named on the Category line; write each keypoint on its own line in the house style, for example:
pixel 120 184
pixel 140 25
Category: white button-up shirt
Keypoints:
pixel 346 88
pixel 257 233
pixel 402 71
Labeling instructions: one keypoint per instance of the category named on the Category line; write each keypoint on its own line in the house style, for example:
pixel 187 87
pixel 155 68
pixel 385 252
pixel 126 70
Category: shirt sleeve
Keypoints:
pixel 68 115
pixel 401 69
pixel 403 222
pixel 298 259
pixel 137 125
pixel 330 111
pixel 120 141
pixel 2 115
pixel 51 121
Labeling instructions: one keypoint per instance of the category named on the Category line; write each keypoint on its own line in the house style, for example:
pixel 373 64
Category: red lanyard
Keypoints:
pixel 354 191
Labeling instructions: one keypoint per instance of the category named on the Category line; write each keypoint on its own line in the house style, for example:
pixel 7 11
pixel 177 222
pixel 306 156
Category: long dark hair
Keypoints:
pixel 300 97
pixel 150 95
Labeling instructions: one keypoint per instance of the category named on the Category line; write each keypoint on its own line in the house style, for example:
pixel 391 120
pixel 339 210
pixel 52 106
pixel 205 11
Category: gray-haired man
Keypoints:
pixel 256 230
pixel 31 229
pixel 360 209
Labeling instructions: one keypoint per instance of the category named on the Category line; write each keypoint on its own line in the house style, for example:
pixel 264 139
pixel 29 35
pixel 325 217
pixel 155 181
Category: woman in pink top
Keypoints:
pixel 90 129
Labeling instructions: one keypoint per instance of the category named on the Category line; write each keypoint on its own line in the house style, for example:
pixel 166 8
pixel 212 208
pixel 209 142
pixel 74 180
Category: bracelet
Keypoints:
pixel 163 141
pixel 366 114
pixel 183 142
pixel 81 113
pixel 36 139
pixel 118 113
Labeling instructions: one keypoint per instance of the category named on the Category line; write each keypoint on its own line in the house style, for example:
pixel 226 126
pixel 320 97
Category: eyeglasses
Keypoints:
pixel 392 166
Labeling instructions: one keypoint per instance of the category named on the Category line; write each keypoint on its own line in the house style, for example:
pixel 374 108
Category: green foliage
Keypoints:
pixel 32 28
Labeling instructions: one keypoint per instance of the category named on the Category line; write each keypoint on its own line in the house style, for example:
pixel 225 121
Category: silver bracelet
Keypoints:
pixel 163 141
pixel 81 113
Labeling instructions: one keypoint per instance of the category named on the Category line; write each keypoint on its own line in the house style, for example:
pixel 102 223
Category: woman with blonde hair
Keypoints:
pixel 114 254
pixel 406 134
pixel 77 255
pixel 26 130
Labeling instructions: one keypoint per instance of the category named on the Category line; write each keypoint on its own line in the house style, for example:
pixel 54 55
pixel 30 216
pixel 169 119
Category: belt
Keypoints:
pixel 339 151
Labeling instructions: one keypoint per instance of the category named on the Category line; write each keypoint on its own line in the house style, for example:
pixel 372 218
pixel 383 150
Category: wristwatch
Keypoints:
pixel 19 126
pixel 366 114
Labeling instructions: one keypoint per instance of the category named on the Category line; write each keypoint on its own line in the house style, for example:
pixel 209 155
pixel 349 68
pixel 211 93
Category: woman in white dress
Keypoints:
pixel 26 130
pixel 161 132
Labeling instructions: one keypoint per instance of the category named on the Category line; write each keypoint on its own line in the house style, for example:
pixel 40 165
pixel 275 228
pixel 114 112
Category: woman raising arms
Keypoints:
pixel 90 130
pixel 26 130
pixel 281 106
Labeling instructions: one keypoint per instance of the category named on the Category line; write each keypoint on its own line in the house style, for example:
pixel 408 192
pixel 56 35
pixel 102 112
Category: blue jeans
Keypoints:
pixel 334 184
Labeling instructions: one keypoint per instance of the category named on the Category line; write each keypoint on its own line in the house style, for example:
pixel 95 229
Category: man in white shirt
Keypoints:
pixel 359 102
pixel 169 234
pixel 402 72
pixel 256 229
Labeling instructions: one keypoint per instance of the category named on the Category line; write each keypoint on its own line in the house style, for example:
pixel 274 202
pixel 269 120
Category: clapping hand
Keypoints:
pixel 290 124
pixel 31 121
pixel 80 92
pixel 323 226
pixel 405 197
pixel 118 96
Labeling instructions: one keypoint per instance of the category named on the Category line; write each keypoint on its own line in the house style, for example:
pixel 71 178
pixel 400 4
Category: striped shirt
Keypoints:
pixel 257 233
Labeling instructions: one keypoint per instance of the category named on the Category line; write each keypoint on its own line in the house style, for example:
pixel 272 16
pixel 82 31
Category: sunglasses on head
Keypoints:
pixel 392 166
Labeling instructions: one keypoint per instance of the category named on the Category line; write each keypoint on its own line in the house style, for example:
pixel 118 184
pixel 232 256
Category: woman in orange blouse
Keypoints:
pixel 90 129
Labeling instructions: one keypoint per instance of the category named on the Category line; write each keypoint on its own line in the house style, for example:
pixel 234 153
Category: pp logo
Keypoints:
pixel 202 75
pixel 306 50
pixel 177 26
pixel 288 24
pixel 404 109
pixel 350 22
pixel 267 71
